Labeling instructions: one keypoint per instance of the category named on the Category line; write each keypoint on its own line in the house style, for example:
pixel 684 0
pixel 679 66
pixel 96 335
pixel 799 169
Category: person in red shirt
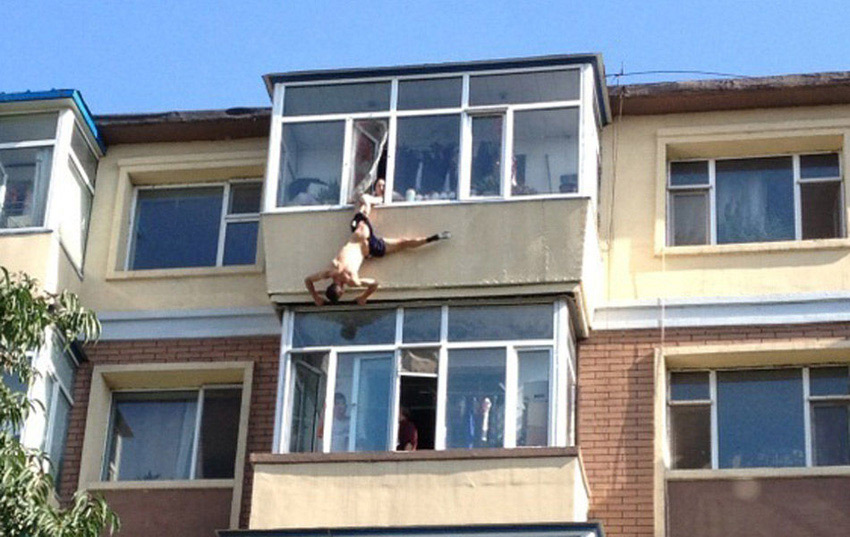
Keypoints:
pixel 408 436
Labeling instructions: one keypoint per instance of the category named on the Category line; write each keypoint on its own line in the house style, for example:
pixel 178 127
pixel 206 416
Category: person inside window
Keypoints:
pixel 408 435
pixel 339 436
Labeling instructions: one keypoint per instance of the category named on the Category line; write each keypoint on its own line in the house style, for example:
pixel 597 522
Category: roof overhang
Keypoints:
pixel 593 59
pixel 813 89
pixel 36 101
pixel 474 530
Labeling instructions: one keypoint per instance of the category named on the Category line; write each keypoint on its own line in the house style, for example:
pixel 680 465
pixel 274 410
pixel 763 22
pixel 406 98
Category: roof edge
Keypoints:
pixel 56 94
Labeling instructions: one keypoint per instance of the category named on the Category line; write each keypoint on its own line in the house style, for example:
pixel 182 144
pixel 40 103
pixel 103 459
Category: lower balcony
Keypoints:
pixel 422 488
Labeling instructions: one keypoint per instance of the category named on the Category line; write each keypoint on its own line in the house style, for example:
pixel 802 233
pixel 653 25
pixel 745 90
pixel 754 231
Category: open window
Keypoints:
pixel 458 377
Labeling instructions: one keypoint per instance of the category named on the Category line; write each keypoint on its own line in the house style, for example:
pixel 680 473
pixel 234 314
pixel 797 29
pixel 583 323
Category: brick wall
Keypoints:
pixel 263 351
pixel 615 411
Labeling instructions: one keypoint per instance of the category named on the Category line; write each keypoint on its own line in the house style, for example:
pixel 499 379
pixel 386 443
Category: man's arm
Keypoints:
pixel 371 287
pixel 309 282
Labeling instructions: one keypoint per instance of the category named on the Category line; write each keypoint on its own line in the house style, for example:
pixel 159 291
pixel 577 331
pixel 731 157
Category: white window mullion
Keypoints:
pixel 395 392
pixel 328 418
pixel 196 441
pixel 511 389
pixel 562 411
pixel 798 212
pixel 465 160
pixel 715 446
pixel 345 185
pixel 389 174
pixel 712 202
pixel 283 412
pixel 507 153
pixel 272 178
pixel 222 228
pixel 807 418
pixel 355 402
pixel 442 382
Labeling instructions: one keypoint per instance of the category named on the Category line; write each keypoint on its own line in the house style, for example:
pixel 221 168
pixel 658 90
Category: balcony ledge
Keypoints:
pixel 424 455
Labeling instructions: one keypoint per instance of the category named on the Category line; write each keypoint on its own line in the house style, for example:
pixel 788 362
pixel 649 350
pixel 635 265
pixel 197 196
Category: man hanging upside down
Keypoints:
pixel 362 244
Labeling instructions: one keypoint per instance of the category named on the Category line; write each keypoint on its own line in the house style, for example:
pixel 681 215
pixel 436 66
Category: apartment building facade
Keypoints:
pixel 639 326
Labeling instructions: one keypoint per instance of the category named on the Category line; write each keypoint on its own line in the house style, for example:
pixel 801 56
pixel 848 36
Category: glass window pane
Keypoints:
pixel 486 156
pixel 755 200
pixel 152 436
pixel 59 436
pixel 62 362
pixel 434 93
pixel 760 418
pixel 368 153
pixel 336 98
pixel 499 323
pixel 364 381
pixel 307 388
pixel 245 198
pixel 689 386
pixel 524 87
pixel 24 178
pixel 831 434
pixel 821 209
pixel 690 436
pixel 475 399
pixel 426 165
pixel 829 381
pixel 421 325
pixel 689 173
pixel 814 166
pixel 311 163
pixel 27 127
pixel 366 327
pixel 422 361
pixel 689 214
pixel 240 243
pixel 176 227
pixel 84 154
pixel 532 428
pixel 219 432
pixel 545 152
pixel 75 215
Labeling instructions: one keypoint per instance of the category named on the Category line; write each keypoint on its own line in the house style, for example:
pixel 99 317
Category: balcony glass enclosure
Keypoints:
pixel 438 138
pixel 476 376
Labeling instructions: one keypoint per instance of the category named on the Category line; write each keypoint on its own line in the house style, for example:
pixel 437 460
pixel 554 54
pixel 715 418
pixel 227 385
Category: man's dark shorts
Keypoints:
pixel 377 246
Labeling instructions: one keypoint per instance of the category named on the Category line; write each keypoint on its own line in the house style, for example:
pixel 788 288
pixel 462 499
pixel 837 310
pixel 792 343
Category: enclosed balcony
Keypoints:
pixel 49 152
pixel 503 154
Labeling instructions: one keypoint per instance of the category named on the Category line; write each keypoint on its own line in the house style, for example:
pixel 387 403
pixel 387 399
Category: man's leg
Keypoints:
pixel 397 245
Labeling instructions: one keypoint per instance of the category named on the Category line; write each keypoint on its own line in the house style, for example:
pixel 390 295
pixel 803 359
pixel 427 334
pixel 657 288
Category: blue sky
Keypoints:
pixel 145 56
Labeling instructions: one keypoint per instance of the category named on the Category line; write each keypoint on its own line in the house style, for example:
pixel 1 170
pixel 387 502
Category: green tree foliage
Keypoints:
pixel 27 506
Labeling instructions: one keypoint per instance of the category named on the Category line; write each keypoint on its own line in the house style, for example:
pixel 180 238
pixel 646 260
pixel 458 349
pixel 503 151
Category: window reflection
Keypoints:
pixel 475 402
pixel 427 158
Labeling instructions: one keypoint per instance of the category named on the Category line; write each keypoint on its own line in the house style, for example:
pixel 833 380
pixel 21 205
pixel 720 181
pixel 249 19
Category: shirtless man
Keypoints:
pixel 362 244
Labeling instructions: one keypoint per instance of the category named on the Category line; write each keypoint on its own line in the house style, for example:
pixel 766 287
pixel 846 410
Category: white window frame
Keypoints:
pixel 59 143
pixel 108 467
pixel 465 111
pixel 561 373
pixel 807 399
pixel 711 192
pixel 223 221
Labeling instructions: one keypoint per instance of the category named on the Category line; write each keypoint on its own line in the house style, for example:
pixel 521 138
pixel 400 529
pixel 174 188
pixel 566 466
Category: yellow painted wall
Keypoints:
pixel 636 149
pixel 107 287
pixel 516 247
pixel 409 493
pixel 40 256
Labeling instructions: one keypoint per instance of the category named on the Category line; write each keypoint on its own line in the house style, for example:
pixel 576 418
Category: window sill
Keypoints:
pixel 424 203
pixel 756 473
pixel 24 231
pixel 169 484
pixel 193 272
pixel 754 247
pixel 424 455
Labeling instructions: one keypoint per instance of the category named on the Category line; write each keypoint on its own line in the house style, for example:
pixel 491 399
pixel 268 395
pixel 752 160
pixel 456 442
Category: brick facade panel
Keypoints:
pixel 615 411
pixel 263 351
